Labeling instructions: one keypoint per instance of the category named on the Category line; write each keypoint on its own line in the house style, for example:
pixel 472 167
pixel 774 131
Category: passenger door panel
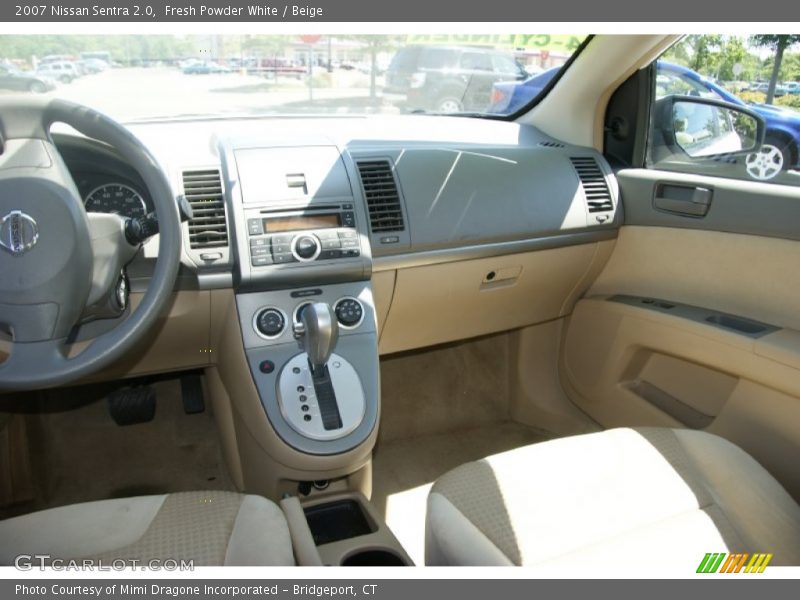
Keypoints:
pixel 695 321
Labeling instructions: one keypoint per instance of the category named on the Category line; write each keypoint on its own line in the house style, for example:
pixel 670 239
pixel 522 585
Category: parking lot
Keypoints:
pixel 130 94
pixel 136 93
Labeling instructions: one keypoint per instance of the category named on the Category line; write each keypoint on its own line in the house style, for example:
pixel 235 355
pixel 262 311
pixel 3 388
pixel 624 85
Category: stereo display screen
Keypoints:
pixel 299 222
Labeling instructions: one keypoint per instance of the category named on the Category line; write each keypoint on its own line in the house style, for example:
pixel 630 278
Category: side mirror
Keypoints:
pixel 706 128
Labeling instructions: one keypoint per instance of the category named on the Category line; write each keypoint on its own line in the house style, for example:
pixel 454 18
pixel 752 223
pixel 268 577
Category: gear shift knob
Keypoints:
pixel 321 332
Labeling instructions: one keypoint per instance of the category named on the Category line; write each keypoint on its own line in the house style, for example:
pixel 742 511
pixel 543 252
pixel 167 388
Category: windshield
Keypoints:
pixel 136 77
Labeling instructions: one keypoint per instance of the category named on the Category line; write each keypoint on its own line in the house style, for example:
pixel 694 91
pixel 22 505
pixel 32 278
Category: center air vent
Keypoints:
pixel 593 182
pixel 203 191
pixel 383 198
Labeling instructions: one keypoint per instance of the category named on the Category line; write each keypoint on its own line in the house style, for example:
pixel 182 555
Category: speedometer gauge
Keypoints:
pixel 118 199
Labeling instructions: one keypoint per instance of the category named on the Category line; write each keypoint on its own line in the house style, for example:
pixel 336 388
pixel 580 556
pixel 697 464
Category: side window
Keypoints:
pixel 755 74
pixel 476 61
pixel 506 65
pixel 436 58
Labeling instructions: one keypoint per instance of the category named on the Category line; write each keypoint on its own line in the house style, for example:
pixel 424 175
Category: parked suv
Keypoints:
pixel 448 79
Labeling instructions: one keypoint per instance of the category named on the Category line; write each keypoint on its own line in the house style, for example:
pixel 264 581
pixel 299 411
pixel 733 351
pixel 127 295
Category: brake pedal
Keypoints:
pixel 132 405
pixel 192 394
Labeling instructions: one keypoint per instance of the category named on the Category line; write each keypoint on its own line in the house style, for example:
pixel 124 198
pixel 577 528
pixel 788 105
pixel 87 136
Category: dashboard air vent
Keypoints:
pixel 551 144
pixel 593 182
pixel 382 196
pixel 203 191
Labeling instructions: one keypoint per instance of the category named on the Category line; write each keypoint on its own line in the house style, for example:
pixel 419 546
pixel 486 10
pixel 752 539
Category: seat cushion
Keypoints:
pixel 210 528
pixel 624 496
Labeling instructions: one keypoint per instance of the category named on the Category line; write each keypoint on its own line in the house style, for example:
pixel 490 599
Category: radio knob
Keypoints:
pixel 306 247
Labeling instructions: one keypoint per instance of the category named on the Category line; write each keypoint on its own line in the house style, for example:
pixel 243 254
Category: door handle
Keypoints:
pixel 684 200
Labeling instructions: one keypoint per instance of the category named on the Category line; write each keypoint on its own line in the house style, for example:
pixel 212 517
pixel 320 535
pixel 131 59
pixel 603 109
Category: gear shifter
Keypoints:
pixel 320 401
pixel 318 333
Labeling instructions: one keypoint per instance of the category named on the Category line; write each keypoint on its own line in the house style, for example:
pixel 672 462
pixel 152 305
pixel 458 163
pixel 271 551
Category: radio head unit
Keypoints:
pixel 302 236
pixel 296 218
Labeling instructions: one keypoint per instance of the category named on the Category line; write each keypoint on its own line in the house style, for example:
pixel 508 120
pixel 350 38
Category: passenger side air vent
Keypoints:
pixel 203 191
pixel 381 193
pixel 593 182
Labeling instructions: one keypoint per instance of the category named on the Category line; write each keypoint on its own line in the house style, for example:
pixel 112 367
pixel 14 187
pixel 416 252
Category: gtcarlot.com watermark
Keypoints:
pixel 30 562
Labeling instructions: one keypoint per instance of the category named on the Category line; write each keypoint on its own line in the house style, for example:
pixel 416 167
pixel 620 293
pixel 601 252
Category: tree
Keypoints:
pixel 375 43
pixel 732 52
pixel 778 44
pixel 790 71
pixel 702 51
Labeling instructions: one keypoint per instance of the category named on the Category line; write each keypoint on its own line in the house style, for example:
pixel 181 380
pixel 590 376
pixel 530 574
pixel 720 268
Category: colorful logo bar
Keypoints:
pixel 721 562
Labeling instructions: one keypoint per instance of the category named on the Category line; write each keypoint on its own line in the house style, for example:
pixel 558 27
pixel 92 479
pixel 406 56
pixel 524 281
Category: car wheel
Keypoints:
pixel 65 79
pixel 448 105
pixel 37 87
pixel 768 162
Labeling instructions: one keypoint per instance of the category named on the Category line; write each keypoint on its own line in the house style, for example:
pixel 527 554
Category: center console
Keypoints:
pixel 303 292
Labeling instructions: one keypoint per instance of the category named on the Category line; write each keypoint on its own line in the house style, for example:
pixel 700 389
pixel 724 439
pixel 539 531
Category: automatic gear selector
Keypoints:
pixel 319 392
pixel 318 332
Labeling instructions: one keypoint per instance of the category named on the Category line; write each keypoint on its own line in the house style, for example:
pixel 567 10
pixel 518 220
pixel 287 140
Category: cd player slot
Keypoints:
pixel 313 208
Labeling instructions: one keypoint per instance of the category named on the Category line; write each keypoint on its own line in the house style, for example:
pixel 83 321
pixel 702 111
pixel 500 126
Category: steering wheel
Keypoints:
pixel 55 259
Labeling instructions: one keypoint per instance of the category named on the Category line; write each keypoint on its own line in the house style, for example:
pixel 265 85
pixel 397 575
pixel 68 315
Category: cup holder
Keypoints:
pixel 373 558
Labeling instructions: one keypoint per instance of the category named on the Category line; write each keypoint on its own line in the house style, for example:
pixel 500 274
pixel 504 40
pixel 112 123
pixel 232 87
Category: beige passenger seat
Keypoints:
pixel 209 528
pixel 649 497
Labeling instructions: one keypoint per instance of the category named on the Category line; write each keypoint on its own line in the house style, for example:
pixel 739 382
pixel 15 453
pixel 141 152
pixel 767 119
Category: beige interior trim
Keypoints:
pixel 223 416
pixel 585 88
pixel 752 400
pixel 745 275
pixel 537 397
pixel 382 293
pixel 177 341
pixel 602 253
pixel 435 304
pixel 305 551
pixel 618 362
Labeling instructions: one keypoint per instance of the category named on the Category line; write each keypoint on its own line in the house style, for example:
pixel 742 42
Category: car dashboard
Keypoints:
pixel 412 231
pixel 422 190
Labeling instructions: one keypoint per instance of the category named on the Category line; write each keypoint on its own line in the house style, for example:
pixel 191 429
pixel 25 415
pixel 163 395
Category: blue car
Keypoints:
pixel 781 149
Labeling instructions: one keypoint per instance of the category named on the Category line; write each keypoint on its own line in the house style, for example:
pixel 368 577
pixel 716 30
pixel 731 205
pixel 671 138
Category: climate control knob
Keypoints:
pixel 270 322
pixel 349 312
pixel 305 247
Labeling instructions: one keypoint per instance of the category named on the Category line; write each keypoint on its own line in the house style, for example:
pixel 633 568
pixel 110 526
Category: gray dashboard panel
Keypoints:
pixel 262 174
pixel 464 182
pixel 457 196
pixel 473 194
pixel 249 304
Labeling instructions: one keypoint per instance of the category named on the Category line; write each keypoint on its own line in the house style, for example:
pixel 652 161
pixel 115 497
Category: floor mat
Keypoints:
pixel 404 470
pixel 82 455
pixel 447 388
